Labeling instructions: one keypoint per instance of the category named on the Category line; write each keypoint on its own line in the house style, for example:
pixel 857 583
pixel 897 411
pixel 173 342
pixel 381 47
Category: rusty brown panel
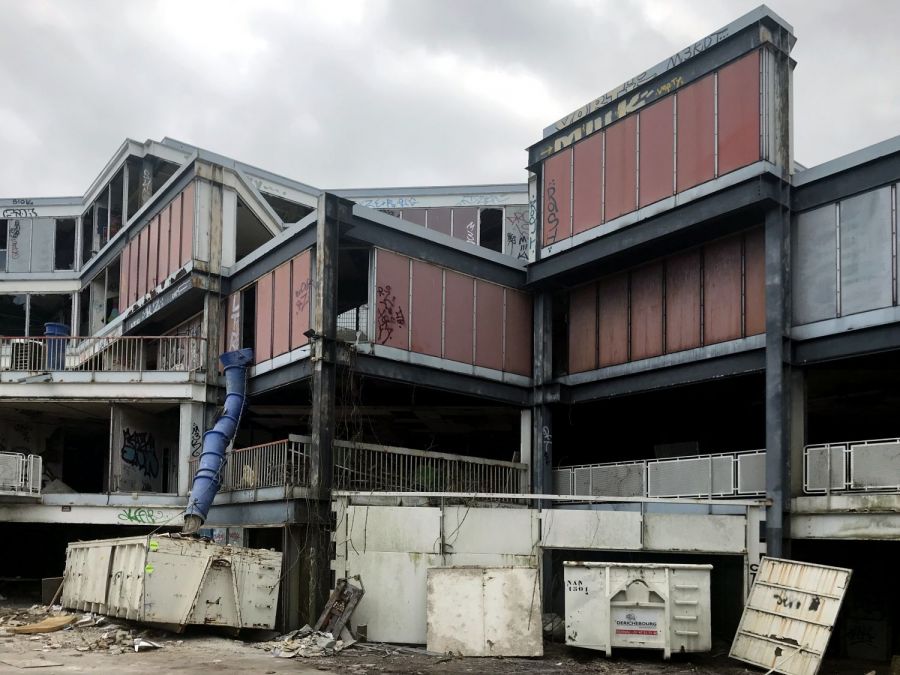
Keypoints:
pixel 755 282
pixel 647 311
pixel 465 224
pixel 153 254
pixel 439 219
pixel 264 318
pixel 416 216
pixel 621 168
pixel 392 299
pixel 301 292
pixel 427 308
pixel 132 271
pixel 233 322
pixel 281 327
pixel 488 325
pixel 174 214
pixel 459 321
pixel 588 184
pixel 143 258
pixel 683 301
pixel 163 263
pixel 187 224
pixel 696 133
pixel 583 328
pixel 123 280
pixel 722 290
pixel 657 155
pixel 738 97
pixel 557 222
pixel 612 294
pixel 519 333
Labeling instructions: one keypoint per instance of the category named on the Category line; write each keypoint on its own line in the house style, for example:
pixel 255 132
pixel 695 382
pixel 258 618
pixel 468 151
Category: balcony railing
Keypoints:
pixel 730 474
pixel 276 464
pixel 178 353
pixel 20 474
pixel 857 466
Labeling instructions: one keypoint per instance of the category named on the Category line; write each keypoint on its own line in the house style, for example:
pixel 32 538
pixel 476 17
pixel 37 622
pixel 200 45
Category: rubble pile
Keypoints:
pixel 307 643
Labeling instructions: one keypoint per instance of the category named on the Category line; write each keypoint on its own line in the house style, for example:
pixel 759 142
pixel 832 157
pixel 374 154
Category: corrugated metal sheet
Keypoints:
pixel 263 348
pixel 517 355
pixel 755 282
pixel 657 151
pixel 187 223
pixel 392 299
pixel 488 325
pixel 789 616
pixel 281 315
pixel 646 311
pixel 557 223
pixel 459 319
pixel 683 301
pixel 613 315
pixel 621 168
pixel 722 290
pixel 814 265
pixel 301 294
pixel 153 254
pixel 439 220
pixel 696 133
pixel 738 98
pixel 588 187
pixel 583 329
pixel 866 264
pixel 427 308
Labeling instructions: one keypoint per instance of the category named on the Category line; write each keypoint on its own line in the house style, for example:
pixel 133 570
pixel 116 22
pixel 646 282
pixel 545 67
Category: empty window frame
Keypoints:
pixel 289 212
pixel 64 244
pixel 490 229
pixel 251 233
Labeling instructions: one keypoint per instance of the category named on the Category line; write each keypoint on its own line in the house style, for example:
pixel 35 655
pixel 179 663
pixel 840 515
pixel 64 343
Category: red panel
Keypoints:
pixel 143 256
pixel 657 142
pixel 123 280
pixel 646 312
pixel 301 290
pixel 132 271
pixel 722 290
pixel 233 322
pixel 416 216
pixel 621 168
pixel 465 224
pixel 187 224
pixel 557 196
pixel 264 318
pixel 738 97
pixel 755 282
pixel 459 320
pixel 281 331
pixel 427 308
pixel 696 133
pixel 153 255
pixel 439 220
pixel 392 299
pixel 683 301
pixel 583 329
pixel 163 267
pixel 588 187
pixel 613 316
pixel 519 333
pixel 488 325
pixel 174 212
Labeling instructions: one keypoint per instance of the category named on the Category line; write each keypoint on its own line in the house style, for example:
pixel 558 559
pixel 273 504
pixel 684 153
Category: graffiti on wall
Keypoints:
pixel 482 200
pixel 19 212
pixel 141 516
pixel 389 202
pixel 139 451
pixel 389 315
pixel 301 295
pixel 15 229
pixel 517 231
pixel 552 213
pixel 234 323
pixel 196 440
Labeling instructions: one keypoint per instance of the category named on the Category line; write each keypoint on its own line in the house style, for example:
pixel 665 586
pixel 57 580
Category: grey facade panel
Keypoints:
pixel 814 285
pixel 866 261
pixel 42 236
pixel 18 245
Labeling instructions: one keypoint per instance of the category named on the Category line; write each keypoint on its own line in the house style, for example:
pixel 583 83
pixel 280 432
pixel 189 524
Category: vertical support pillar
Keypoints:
pixel 525 447
pixel 191 425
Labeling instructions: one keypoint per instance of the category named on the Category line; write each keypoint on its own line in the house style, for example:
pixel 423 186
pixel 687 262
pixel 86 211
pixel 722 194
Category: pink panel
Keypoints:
pixel 621 168
pixel 683 301
pixel 738 97
pixel 163 268
pixel 153 255
pixel 646 312
pixel 427 308
pixel 281 331
pixel 465 224
pixel 557 221
pixel 613 317
pixel 722 290
pixel 588 187
pixel 174 213
pixel 755 282
pixel 233 322
pixel 132 271
pixel 301 288
pixel 143 257
pixel 657 140
pixel 519 333
pixel 488 325
pixel 187 224
pixel 583 329
pixel 459 321
pixel 392 299
pixel 123 280
pixel 264 318
pixel 696 134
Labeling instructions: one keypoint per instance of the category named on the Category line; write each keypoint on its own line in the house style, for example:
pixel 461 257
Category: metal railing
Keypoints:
pixel 20 474
pixel 856 466
pixel 353 324
pixel 728 474
pixel 275 464
pixel 181 353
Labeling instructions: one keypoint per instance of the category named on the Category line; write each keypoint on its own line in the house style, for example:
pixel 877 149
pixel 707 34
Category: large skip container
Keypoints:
pixel 172 581
pixel 635 605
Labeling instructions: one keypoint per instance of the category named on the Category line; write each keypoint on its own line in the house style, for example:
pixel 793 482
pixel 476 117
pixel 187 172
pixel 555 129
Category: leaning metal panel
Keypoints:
pixel 815 478
pixel 875 466
pixel 751 473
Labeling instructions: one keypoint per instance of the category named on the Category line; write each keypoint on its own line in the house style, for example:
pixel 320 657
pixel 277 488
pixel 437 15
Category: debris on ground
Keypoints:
pixel 307 643
pixel 142 645
pixel 343 600
pixel 48 625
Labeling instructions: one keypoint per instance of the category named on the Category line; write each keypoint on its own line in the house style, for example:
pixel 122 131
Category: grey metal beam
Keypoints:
pixel 847 344
pixel 881 171
pixel 298 371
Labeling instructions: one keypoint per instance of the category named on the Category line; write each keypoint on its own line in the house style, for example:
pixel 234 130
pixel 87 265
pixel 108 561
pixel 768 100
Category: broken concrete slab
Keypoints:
pixel 48 625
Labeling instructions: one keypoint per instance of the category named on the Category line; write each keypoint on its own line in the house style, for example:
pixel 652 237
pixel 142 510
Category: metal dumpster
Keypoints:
pixel 173 581
pixel 637 605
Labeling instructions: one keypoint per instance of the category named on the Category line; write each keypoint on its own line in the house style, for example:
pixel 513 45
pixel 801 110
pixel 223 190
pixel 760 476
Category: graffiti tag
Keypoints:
pixel 552 213
pixel 19 213
pixel 196 442
pixel 139 451
pixel 141 516
pixel 390 315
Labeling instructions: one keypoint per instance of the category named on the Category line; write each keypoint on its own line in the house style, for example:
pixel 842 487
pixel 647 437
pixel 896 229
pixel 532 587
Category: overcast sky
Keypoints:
pixel 387 92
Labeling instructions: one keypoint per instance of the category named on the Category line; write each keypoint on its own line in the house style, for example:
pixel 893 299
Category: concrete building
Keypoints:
pixel 680 339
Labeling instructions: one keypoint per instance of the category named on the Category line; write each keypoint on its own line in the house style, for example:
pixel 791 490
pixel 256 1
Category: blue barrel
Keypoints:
pixel 56 347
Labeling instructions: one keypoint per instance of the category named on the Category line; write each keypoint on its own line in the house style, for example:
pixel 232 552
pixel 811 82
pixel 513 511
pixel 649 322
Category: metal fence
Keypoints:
pixel 274 464
pixel 353 324
pixel 730 474
pixel 20 474
pixel 857 466
pixel 183 353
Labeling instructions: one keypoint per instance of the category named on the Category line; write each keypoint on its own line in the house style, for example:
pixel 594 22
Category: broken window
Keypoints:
pixel 251 233
pixel 289 212
pixel 12 314
pixel 50 308
pixel 491 229
pixel 64 245
pixel 2 245
pixel 84 311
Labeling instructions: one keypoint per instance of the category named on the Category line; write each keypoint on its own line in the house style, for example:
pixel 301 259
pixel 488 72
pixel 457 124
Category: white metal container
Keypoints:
pixel 637 605
pixel 174 581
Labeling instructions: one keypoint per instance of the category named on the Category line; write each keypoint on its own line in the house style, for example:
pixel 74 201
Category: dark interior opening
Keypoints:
pixel 55 308
pixel 116 215
pixel 64 246
pixel 134 185
pixel 87 235
pixel 84 311
pixel 491 229
pixel 353 293
pixel 162 172
pixel 12 315
pixel 251 233
pixel 112 290
pixel 289 212
pixel 248 317
pixel 3 245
